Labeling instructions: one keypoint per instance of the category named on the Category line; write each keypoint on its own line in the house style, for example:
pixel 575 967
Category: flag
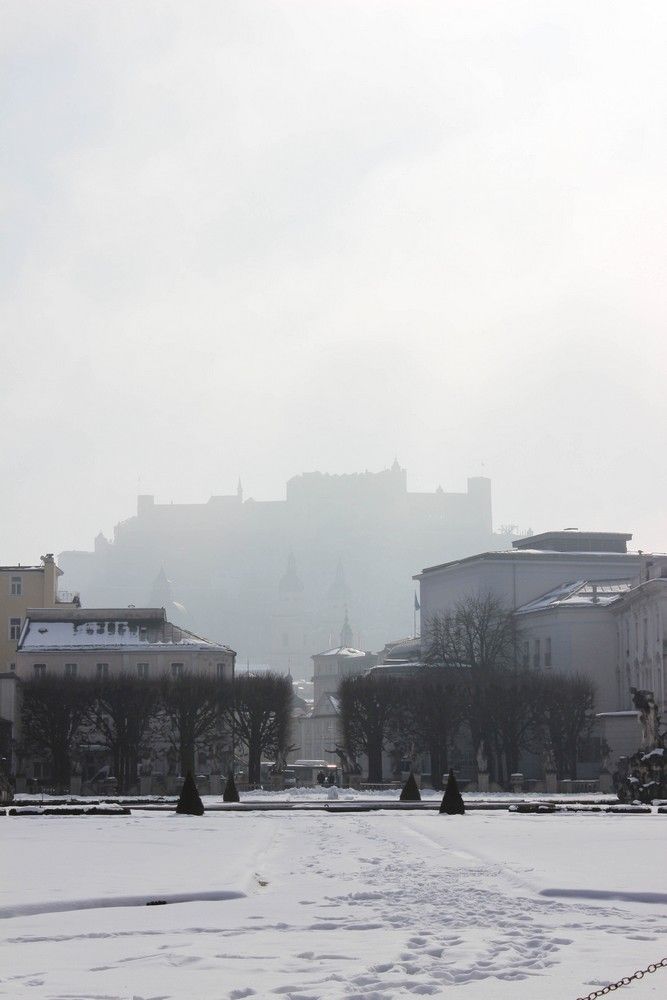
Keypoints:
pixel 417 604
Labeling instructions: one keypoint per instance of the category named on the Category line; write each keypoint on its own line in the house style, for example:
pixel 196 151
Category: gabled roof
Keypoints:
pixel 328 704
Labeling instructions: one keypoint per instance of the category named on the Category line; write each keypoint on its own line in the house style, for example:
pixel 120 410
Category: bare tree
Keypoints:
pixel 479 637
pixel 512 698
pixel 53 711
pixel 370 707
pixel 193 706
pixel 259 710
pixel 566 717
pixel 437 700
pixel 121 715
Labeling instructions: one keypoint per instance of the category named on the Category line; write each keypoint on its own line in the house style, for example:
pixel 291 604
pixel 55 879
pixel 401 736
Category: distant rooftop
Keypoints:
pixel 573 540
pixel 581 594
pixel 343 651
pixel 107 628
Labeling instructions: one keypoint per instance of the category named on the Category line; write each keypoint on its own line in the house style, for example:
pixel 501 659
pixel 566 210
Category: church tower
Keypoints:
pixel 161 596
pixel 288 651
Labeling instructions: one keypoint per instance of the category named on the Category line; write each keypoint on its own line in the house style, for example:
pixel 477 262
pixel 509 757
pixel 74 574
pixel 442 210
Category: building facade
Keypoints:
pixel 23 587
pixel 103 642
pixel 584 605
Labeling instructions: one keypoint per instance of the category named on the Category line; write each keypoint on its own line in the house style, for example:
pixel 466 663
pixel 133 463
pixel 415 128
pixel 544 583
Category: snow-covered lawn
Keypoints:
pixel 311 905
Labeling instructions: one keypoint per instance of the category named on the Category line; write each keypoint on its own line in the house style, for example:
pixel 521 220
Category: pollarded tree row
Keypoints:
pixel 471 686
pixel 133 717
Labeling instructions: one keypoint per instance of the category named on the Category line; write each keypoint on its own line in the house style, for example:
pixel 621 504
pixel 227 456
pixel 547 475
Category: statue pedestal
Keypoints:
pixel 516 780
pixel 75 784
pixel 606 782
pixel 354 781
pixel 277 782
pixel 550 782
pixel 483 781
pixel 145 785
pixel 216 784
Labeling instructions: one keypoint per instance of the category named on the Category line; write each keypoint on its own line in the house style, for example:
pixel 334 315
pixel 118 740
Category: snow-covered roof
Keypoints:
pixel 328 704
pixel 348 651
pixel 580 593
pixel 125 629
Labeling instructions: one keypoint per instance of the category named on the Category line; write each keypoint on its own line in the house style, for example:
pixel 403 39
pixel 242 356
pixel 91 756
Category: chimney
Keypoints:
pixel 50 580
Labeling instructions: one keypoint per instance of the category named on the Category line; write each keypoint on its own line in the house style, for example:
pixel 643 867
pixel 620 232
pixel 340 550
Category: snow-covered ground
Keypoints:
pixel 312 905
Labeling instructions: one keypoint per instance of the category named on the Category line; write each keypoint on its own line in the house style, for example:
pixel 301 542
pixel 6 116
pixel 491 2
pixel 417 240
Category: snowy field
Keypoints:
pixel 308 905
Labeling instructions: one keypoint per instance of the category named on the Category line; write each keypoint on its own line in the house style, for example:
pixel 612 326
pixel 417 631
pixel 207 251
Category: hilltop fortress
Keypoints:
pixel 274 579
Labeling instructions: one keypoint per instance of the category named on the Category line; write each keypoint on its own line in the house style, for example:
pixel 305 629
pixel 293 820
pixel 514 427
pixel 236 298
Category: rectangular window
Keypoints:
pixel 39 669
pixel 142 670
pixel 71 670
pixel 537 654
pixel 16 586
pixel 547 651
pixel 220 671
pixel 177 670
pixel 526 654
pixel 14 629
pixel 102 670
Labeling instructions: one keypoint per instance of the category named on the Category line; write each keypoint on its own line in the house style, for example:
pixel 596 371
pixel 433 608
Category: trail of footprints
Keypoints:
pixel 469 932
pixel 456 931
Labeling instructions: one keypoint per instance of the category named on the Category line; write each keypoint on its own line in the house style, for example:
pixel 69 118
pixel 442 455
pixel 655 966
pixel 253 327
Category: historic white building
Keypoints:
pixel 319 733
pixel 583 605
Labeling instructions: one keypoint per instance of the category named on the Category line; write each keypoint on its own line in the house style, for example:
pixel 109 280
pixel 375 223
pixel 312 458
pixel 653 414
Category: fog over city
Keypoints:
pixel 260 239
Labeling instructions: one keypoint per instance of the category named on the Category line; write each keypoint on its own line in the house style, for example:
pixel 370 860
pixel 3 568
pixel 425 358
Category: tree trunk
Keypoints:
pixel 375 762
pixel 254 762
pixel 438 765
pixel 187 754
pixel 61 768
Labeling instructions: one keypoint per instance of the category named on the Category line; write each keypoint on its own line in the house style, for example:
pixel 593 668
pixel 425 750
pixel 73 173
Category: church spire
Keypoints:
pixel 239 490
pixel 339 590
pixel 346 631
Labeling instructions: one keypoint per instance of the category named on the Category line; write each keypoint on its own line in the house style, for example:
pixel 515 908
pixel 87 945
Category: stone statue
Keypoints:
pixel 548 758
pixel 482 759
pixel 649 719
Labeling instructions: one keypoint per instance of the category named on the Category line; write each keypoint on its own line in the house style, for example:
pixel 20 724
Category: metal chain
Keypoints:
pixel 639 974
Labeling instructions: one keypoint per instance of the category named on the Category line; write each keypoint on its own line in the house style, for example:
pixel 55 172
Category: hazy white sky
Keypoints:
pixel 255 239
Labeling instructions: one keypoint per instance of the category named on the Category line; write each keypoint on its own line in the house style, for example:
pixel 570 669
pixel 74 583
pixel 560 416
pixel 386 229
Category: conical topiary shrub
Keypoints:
pixel 230 794
pixel 452 803
pixel 410 791
pixel 190 803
